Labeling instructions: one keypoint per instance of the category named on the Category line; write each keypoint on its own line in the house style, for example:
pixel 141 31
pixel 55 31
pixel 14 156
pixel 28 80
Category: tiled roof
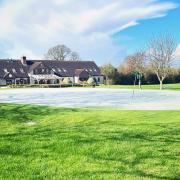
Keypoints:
pixel 60 68
pixel 78 71
pixel 68 68
pixel 33 66
pixel 14 68
pixel 82 73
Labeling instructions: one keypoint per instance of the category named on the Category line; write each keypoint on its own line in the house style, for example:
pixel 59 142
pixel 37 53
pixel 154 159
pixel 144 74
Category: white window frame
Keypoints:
pixel 5 70
pixel 14 70
pixel 21 70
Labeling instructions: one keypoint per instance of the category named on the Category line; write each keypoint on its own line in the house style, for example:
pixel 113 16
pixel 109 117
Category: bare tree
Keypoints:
pixel 59 52
pixel 75 56
pixel 161 55
pixel 127 66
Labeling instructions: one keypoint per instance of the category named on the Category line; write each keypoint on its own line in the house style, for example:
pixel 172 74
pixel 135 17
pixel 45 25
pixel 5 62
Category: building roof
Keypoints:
pixel 78 71
pixel 82 73
pixel 12 68
pixel 68 68
pixel 15 68
pixel 33 66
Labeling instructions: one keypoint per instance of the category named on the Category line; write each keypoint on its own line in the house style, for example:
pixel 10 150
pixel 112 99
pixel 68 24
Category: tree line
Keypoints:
pixel 150 66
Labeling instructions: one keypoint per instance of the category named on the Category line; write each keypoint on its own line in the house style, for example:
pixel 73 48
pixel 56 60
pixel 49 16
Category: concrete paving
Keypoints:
pixel 94 97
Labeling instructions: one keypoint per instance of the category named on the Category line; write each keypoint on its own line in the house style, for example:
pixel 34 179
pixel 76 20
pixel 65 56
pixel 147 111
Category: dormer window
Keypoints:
pixel 14 70
pixel 64 70
pixel 53 69
pixel 90 70
pixel 95 70
pixel 59 69
pixel 5 70
pixel 21 70
pixel 43 70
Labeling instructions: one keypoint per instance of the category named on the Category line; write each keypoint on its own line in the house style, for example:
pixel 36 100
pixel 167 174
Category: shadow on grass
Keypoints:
pixel 24 113
pixel 60 138
pixel 122 173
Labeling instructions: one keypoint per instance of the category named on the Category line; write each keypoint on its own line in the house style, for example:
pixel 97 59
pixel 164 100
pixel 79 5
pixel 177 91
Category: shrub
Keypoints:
pixel 67 80
pixel 91 81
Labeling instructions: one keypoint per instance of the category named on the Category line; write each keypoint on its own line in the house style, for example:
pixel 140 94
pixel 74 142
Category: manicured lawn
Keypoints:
pixel 39 142
pixel 166 86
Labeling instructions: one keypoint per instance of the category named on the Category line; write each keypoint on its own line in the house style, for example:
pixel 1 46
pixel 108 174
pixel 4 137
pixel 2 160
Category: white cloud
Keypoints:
pixel 177 53
pixel 31 27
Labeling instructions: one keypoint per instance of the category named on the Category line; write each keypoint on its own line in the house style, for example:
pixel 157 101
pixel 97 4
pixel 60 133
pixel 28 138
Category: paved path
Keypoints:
pixel 92 97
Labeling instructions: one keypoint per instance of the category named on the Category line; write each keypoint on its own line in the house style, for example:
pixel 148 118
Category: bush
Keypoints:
pixel 91 81
pixel 67 80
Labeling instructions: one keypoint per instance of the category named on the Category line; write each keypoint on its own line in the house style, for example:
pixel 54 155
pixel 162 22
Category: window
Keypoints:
pixel 13 70
pixel 53 69
pixel 95 70
pixel 59 69
pixel 90 70
pixel 35 71
pixel 64 70
pixel 47 70
pixel 86 70
pixel 98 79
pixel 5 70
pixel 43 70
pixel 21 70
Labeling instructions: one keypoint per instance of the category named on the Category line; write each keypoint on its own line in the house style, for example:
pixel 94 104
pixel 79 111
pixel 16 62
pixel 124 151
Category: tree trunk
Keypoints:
pixel 140 84
pixel 134 82
pixel 161 85
pixel 107 80
pixel 161 79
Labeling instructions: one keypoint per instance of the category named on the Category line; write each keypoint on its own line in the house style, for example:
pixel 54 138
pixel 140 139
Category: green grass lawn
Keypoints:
pixel 38 142
pixel 166 86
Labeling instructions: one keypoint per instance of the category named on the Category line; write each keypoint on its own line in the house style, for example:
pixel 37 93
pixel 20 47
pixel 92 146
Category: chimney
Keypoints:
pixel 23 60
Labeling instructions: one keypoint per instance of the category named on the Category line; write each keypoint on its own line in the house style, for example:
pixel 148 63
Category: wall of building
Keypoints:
pixel 99 79
pixel 72 79
pixel 2 82
pixel 76 79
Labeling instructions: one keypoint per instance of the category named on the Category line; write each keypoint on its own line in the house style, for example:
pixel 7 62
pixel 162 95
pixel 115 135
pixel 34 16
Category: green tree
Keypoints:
pixel 135 64
pixel 109 72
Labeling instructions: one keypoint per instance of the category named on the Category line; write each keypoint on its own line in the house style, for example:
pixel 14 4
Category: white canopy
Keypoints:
pixel 45 77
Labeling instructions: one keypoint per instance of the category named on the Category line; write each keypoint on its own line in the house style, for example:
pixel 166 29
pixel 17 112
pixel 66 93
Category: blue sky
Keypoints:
pixel 136 37
pixel 100 30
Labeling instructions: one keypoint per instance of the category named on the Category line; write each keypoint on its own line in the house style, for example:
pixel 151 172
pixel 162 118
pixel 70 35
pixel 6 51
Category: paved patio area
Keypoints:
pixel 92 97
